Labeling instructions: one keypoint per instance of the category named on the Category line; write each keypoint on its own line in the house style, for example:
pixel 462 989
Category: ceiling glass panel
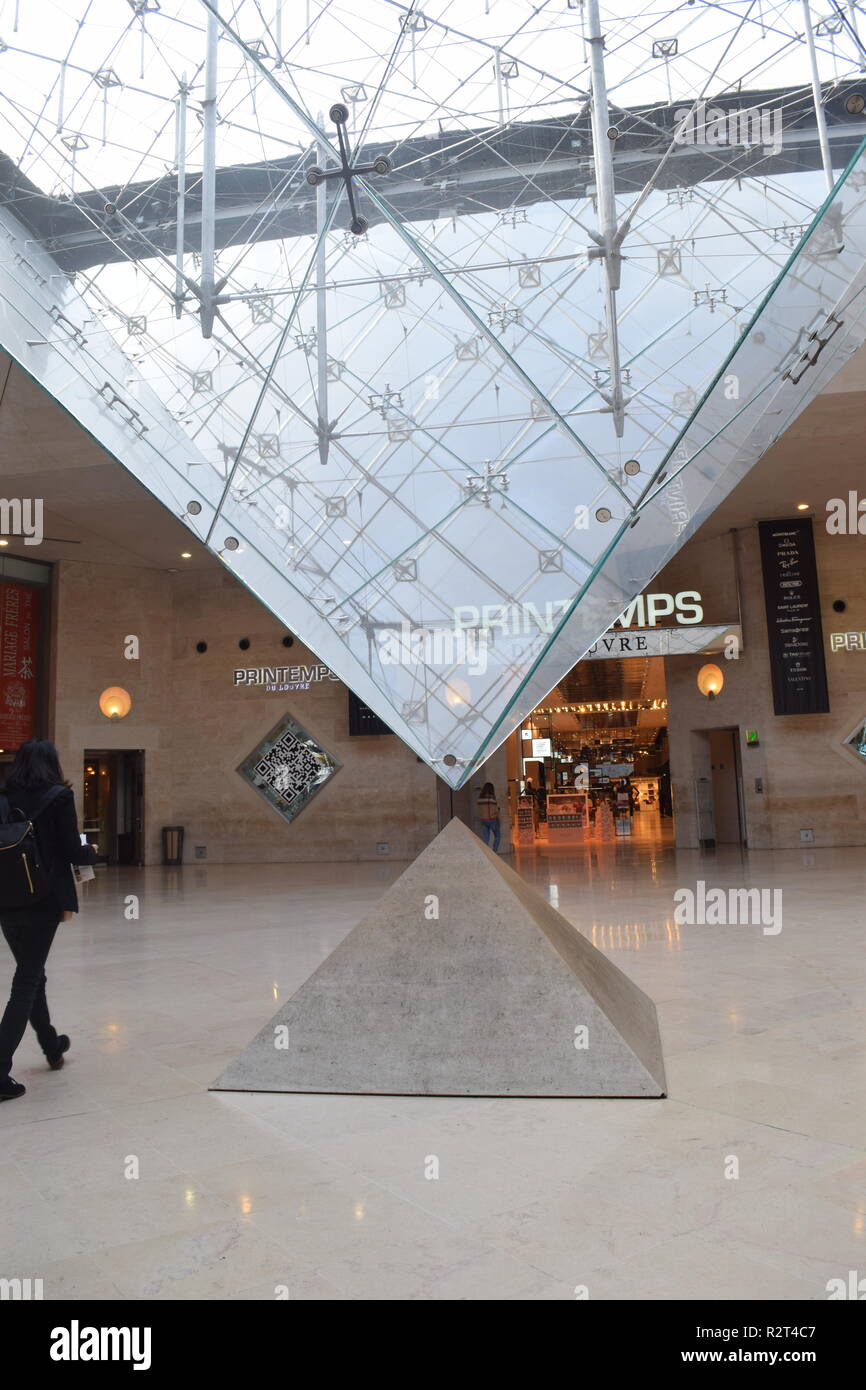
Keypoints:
pixel 442 325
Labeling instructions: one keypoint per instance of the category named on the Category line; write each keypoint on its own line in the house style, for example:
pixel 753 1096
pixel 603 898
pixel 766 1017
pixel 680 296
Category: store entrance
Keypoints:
pixel 113 805
pixel 591 763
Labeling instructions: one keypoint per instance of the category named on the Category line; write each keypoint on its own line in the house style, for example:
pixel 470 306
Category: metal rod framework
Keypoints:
pixel 608 238
pixel 820 118
pixel 208 179
pixel 322 310
pixel 180 160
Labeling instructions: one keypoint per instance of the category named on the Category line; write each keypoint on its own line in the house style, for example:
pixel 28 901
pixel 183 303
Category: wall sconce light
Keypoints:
pixel 710 681
pixel 115 702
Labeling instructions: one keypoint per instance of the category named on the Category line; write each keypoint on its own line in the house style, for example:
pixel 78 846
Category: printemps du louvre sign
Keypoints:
pixel 276 679
pixel 640 630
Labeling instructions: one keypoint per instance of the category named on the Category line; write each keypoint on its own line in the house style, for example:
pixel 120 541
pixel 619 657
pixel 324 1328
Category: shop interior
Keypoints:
pixel 591 762
pixel 112 816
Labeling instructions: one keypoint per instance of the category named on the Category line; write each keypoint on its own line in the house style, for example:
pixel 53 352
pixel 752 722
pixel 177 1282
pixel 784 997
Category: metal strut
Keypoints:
pixel 324 427
pixel 820 119
pixel 608 239
pixel 208 290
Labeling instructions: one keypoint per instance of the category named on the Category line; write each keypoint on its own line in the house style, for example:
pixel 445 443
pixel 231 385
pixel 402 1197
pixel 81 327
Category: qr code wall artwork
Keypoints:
pixel 288 768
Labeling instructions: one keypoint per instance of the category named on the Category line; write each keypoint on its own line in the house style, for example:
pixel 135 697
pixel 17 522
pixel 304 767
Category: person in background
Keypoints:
pixel 488 814
pixel 36 781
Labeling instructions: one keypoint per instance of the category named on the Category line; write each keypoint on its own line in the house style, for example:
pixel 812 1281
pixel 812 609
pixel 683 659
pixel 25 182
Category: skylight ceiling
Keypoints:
pixel 445 326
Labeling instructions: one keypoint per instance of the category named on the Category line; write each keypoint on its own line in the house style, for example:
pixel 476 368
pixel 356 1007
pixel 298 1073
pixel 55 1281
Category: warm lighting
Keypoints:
pixel 802 506
pixel 4 542
pixel 115 702
pixel 457 693
pixel 186 554
pixel 710 681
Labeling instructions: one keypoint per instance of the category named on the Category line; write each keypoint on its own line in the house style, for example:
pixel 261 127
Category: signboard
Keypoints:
pixel 794 631
pixel 363 720
pixel 275 679
pixel 848 641
pixel 542 748
pixel 662 641
pixel 18 622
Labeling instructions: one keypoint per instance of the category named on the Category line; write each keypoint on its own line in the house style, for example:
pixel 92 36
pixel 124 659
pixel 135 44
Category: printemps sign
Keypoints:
pixel 275 679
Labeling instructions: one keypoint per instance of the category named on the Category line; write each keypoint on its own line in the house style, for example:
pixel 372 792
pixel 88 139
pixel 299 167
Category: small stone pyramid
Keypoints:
pixel 462 981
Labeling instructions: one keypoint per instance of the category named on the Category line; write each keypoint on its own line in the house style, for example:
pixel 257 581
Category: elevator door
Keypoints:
pixel 727 811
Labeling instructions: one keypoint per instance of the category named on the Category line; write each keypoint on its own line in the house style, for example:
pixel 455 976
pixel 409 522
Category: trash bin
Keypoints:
pixel 172 844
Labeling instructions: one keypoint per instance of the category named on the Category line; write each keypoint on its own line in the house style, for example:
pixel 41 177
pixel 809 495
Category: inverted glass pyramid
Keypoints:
pixel 443 328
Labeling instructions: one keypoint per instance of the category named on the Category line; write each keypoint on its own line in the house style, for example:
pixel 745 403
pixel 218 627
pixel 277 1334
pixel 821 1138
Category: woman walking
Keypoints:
pixel 35 790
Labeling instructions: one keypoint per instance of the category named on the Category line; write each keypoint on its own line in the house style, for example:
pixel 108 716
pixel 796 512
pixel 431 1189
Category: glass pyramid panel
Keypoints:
pixel 442 327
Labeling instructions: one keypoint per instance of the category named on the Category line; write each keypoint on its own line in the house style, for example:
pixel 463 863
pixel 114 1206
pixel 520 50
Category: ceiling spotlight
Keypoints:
pixel 802 506
pixel 186 555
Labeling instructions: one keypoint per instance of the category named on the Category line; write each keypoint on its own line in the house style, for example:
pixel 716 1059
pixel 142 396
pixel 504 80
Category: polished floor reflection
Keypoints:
pixel 122 1176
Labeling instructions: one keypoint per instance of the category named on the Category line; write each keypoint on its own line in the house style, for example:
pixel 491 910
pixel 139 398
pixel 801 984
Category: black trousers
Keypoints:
pixel 30 933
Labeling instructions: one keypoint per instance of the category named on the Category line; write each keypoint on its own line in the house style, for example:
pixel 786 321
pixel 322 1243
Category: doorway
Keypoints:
pixel 591 763
pixel 727 791
pixel 113 803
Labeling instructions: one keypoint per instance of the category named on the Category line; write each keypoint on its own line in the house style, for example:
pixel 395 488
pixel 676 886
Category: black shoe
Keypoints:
pixel 55 1058
pixel 11 1090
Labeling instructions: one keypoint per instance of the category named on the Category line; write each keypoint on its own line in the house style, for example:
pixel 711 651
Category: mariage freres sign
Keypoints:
pixel 275 679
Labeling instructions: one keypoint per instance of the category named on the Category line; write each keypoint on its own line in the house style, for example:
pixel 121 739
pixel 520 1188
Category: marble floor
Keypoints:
pixel 122 1176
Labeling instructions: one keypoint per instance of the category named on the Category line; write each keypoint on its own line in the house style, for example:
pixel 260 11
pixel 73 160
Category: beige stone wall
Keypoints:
pixel 809 780
pixel 195 727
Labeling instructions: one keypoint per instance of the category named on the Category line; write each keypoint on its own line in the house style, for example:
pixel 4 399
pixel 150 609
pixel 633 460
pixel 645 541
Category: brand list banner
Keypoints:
pixel 18 616
pixel 794 631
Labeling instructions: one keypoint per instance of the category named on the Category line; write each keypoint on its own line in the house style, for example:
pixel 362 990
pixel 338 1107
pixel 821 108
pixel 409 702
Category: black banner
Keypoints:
pixel 794 632
pixel 235 1340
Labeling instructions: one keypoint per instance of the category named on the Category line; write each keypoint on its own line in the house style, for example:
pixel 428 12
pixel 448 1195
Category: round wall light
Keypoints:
pixel 115 702
pixel 710 681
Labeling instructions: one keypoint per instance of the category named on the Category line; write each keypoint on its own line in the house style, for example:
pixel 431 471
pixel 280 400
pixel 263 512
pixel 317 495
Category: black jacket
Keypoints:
pixel 58 838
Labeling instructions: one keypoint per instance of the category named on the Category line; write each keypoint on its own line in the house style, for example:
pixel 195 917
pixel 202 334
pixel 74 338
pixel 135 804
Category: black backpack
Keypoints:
pixel 25 878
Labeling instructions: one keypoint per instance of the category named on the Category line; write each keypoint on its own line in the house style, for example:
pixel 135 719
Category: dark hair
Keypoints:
pixel 487 790
pixel 36 766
